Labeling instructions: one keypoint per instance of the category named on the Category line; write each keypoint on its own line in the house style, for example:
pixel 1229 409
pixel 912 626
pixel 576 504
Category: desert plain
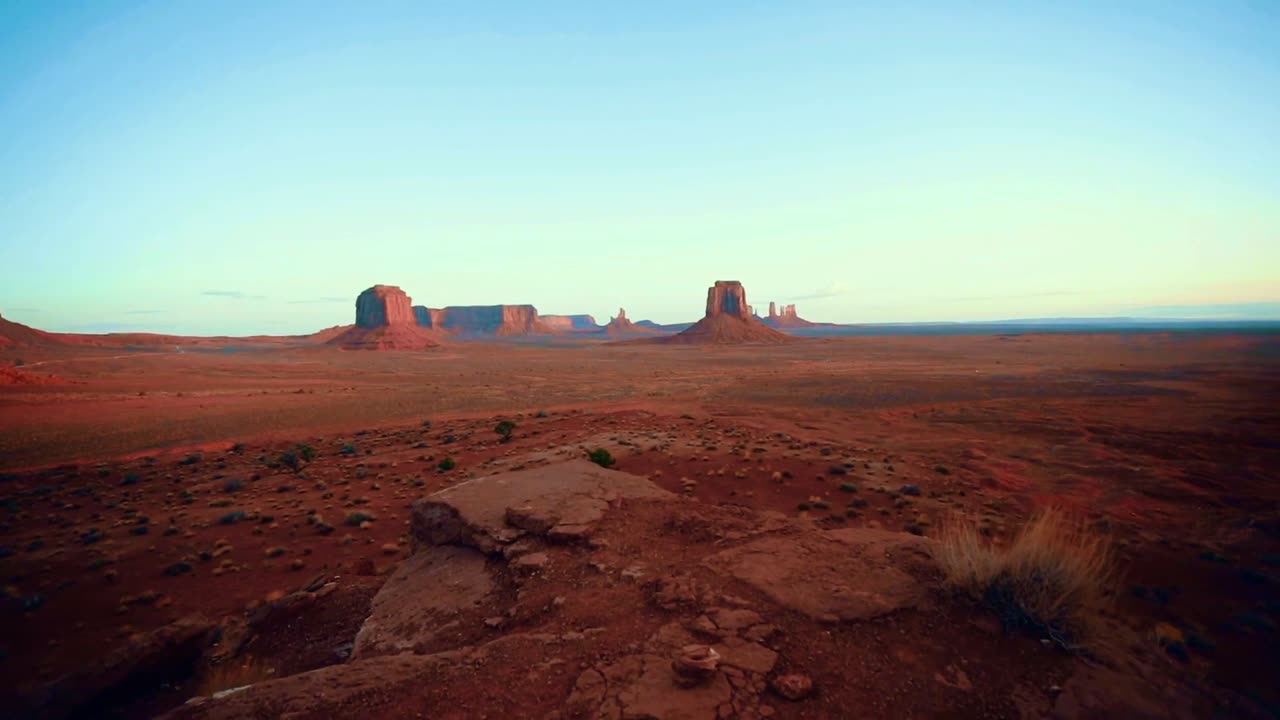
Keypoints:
pixel 269 490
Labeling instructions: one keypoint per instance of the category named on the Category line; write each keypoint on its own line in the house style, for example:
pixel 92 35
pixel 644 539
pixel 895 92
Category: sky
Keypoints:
pixel 248 167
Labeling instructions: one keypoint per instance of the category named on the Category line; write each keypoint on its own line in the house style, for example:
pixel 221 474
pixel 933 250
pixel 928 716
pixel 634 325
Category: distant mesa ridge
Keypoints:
pixel 570 323
pixel 474 320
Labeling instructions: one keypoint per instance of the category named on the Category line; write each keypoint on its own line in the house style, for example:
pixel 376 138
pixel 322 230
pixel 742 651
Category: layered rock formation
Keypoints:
pixel 784 316
pixel 570 323
pixel 482 320
pixel 384 321
pixel 728 321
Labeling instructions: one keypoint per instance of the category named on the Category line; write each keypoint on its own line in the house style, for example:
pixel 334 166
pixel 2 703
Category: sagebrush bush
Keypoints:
pixel 1051 578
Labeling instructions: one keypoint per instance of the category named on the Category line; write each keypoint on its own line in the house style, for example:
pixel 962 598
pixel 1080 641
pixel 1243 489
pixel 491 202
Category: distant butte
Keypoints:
pixel 385 321
pixel 785 316
pixel 728 321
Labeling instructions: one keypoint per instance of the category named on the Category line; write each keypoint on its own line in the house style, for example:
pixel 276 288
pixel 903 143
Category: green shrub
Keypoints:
pixel 601 457
pixel 447 464
pixel 504 429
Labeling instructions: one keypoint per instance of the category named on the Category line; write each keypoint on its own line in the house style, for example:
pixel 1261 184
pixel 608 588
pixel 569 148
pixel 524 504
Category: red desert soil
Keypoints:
pixel 153 487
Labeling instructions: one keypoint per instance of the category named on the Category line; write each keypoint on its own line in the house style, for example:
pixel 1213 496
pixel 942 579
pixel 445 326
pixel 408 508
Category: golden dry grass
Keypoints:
pixel 232 674
pixel 1052 577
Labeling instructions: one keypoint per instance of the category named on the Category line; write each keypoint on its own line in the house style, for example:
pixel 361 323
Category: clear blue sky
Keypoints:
pixel 241 167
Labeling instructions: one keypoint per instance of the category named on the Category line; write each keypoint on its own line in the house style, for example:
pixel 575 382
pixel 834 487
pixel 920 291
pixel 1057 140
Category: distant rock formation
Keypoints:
pixel 620 326
pixel 384 321
pixel 728 321
pixel 785 317
pixel 383 305
pixel 481 320
pixel 570 323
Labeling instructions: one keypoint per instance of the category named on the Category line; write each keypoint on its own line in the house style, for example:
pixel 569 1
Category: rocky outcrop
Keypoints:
pixel 384 321
pixel 561 502
pixel 482 320
pixel 784 316
pixel 146 659
pixel 427 592
pixel 620 326
pixel 570 323
pixel 728 321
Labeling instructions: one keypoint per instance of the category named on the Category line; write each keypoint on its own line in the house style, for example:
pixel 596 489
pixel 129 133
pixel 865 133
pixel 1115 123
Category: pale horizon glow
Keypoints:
pixel 242 168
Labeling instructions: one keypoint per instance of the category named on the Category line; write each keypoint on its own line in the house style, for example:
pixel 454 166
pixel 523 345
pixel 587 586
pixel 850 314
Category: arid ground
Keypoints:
pixel 150 486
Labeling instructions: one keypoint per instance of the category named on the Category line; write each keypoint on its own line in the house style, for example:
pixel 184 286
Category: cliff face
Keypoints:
pixel 727 297
pixel 569 323
pixel 383 305
pixel 496 320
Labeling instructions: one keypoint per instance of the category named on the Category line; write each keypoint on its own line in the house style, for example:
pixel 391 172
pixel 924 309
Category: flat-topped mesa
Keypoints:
pixel 569 323
pixel 382 306
pixel 727 297
pixel 472 320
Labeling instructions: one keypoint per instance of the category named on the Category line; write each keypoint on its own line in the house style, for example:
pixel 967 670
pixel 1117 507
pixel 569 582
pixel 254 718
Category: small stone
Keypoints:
pixel 792 686
pixel 695 664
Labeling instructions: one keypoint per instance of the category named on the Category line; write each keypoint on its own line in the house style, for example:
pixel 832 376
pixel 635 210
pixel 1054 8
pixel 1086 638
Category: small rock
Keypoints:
pixel 792 686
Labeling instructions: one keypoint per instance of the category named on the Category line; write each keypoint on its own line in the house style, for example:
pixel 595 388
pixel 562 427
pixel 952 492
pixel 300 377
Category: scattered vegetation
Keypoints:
pixel 231 675
pixel 191 459
pixel 447 464
pixel 232 518
pixel 357 518
pixel 1052 578
pixel 601 457
pixel 298 457
pixel 848 487
pixel 504 430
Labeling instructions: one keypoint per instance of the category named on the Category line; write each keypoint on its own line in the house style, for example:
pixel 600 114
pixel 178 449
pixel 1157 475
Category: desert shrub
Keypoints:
pixel 349 449
pixel 356 518
pixel 504 429
pixel 297 457
pixel 232 674
pixel 191 459
pixel 1052 578
pixel 601 457
pixel 447 464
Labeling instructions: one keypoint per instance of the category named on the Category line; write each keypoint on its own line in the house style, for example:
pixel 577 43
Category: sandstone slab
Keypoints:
pixel 851 574
pixel 427 591
pixel 562 502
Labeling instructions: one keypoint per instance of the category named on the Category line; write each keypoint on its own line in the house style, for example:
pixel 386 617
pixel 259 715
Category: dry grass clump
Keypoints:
pixel 1052 578
pixel 232 674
